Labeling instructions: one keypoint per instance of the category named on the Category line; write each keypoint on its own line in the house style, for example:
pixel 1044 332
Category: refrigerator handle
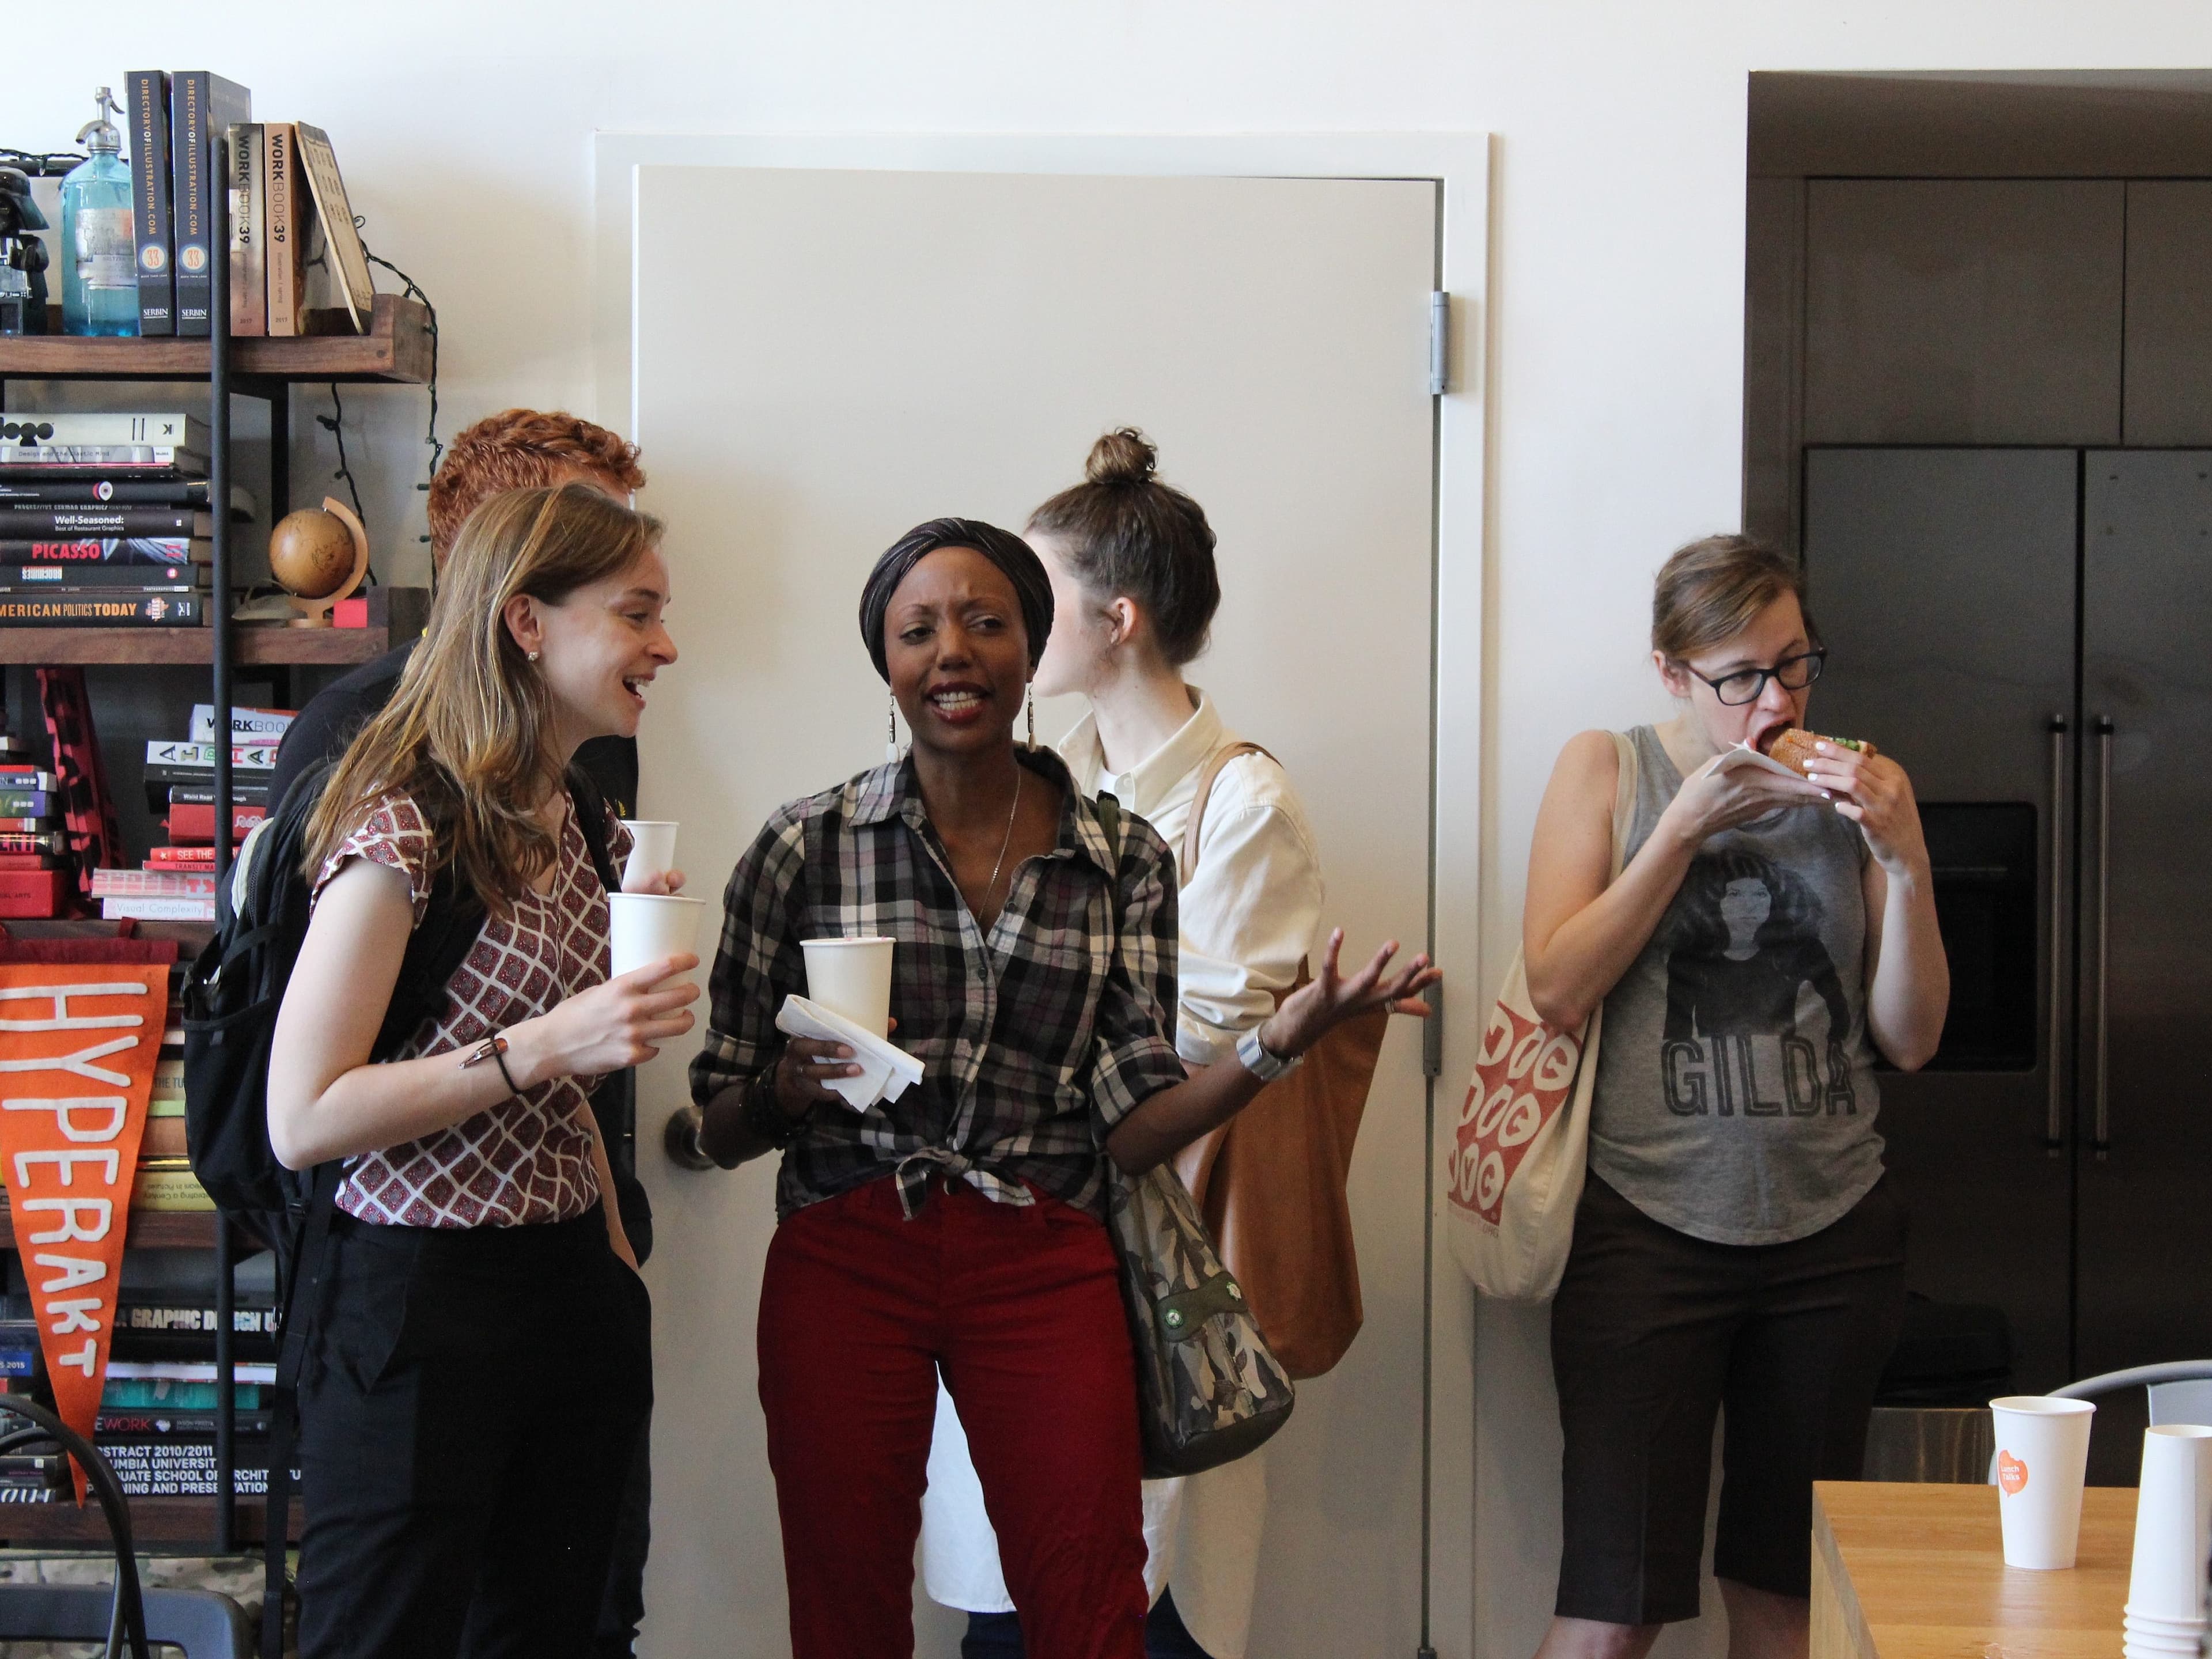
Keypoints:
pixel 2054 1122
pixel 2101 1136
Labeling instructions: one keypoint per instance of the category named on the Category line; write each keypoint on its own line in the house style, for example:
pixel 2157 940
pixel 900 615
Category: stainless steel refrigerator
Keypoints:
pixel 2029 632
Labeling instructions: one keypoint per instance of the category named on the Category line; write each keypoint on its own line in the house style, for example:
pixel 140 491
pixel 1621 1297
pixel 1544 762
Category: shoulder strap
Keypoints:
pixel 1109 825
pixel 1219 758
pixel 1624 799
pixel 591 819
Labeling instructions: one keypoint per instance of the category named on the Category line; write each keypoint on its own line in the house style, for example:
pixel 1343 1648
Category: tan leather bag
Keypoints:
pixel 1270 1182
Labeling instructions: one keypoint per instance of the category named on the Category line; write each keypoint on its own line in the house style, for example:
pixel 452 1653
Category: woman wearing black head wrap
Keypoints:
pixel 960 1227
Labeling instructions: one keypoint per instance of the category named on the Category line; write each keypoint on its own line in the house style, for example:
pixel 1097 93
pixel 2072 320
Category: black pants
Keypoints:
pixel 999 1635
pixel 471 1406
pixel 1652 1333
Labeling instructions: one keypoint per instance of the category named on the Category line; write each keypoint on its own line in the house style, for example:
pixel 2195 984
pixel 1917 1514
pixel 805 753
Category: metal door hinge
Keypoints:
pixel 1439 343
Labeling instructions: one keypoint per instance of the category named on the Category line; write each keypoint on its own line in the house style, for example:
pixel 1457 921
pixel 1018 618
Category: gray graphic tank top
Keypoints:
pixel 1736 1092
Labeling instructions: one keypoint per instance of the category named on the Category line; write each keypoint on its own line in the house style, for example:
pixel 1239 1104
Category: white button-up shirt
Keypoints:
pixel 1246 918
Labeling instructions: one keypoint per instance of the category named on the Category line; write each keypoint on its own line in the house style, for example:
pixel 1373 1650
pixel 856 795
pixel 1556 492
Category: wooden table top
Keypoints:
pixel 1918 1572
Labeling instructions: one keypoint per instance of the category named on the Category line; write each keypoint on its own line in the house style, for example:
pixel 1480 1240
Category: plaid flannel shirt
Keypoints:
pixel 1035 1039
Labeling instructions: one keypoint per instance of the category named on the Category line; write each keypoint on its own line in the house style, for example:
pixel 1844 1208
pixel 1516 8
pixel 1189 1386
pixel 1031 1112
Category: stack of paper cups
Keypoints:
pixel 648 927
pixel 2042 1455
pixel 2174 1532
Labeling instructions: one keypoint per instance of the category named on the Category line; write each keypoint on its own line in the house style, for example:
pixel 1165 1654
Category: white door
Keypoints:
pixel 822 359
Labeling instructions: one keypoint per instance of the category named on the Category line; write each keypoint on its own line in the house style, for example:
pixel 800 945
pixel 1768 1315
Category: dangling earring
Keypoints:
pixel 1032 702
pixel 890 734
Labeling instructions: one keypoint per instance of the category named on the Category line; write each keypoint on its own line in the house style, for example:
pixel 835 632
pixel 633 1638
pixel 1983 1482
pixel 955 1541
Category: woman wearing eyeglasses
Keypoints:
pixel 1737 1243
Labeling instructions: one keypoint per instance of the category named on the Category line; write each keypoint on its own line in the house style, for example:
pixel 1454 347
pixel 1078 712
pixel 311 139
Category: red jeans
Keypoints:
pixel 1020 1306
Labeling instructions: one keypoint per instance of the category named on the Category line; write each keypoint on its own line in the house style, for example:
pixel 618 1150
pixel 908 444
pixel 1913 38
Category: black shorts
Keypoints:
pixel 1653 1332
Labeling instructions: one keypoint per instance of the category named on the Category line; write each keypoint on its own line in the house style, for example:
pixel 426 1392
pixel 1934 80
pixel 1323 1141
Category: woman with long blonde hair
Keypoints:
pixel 477 1363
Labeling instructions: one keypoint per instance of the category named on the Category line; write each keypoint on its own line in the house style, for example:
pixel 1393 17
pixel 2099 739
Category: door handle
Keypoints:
pixel 2101 1135
pixel 2054 1121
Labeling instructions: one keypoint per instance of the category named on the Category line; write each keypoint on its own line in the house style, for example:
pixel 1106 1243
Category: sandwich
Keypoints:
pixel 1793 747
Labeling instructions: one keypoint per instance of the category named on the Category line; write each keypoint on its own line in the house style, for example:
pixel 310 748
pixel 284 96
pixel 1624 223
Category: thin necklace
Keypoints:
pixel 1006 840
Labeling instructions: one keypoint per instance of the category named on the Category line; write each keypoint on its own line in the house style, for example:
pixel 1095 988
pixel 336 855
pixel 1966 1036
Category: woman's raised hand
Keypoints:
pixel 1873 793
pixel 1715 798
pixel 606 1028
pixel 1307 1013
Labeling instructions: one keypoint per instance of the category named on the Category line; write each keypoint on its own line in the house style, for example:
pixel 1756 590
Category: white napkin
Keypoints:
pixel 1744 755
pixel 886 1072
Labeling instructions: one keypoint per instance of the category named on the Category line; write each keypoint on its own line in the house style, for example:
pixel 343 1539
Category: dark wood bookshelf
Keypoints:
pixel 253 644
pixel 395 351
pixel 157 1520
pixel 150 1230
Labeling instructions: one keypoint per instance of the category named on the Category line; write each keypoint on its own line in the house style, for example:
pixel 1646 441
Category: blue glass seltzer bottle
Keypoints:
pixel 99 273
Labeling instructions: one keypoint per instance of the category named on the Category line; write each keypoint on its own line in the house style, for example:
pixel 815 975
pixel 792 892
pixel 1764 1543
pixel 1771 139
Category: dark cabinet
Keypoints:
pixel 2169 317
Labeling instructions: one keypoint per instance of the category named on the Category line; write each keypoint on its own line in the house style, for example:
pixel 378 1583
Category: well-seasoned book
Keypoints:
pixel 149 99
pixel 140 552
pixel 119 610
pixel 289 210
pixel 202 104
pixel 88 521
pixel 249 267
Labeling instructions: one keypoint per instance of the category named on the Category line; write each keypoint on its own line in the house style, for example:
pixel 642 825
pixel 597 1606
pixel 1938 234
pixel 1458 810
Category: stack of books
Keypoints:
pixel 176 882
pixel 105 520
pixel 31 838
pixel 34 1472
pixel 157 1408
pixel 292 243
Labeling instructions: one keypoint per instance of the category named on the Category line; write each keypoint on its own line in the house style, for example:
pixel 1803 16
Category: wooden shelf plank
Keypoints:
pixel 153 1521
pixel 396 349
pixel 153 1230
pixel 253 644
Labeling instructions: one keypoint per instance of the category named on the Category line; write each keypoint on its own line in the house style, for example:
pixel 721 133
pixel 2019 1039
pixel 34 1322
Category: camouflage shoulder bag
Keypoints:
pixel 1209 1390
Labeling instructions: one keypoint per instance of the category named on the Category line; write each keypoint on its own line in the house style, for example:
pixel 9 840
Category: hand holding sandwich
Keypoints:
pixel 1873 791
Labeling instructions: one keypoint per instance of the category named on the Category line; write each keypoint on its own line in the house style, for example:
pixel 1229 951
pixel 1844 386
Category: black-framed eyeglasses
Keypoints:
pixel 1744 685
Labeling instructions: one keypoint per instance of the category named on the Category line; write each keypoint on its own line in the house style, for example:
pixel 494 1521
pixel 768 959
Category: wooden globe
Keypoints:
pixel 310 553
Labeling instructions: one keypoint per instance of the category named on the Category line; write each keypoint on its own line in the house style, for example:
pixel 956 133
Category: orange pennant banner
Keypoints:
pixel 77 1046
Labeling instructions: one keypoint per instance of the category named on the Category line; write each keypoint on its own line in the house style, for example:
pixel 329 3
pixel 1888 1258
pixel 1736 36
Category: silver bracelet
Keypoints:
pixel 1255 1057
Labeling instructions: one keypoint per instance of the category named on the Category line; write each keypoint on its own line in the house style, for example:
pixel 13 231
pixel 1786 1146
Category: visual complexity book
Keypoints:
pixel 119 610
pixel 141 551
pixel 201 105
pixel 249 268
pixel 149 200
pixel 289 209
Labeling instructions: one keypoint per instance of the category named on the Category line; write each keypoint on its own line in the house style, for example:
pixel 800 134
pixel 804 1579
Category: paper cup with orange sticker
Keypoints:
pixel 2043 1453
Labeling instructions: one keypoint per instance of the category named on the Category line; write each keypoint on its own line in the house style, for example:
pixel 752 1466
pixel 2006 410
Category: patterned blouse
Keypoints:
pixel 1035 1039
pixel 529 1158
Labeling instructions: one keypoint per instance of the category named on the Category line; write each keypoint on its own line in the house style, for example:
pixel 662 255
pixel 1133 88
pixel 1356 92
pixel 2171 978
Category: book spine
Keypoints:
pixel 77 576
pixel 248 724
pixel 94 611
pixel 26 777
pixel 194 824
pixel 249 268
pixel 149 190
pixel 188 168
pixel 19 523
pixel 19 862
pixel 30 893
pixel 198 794
pixel 243 755
pixel 286 233
pixel 62 492
pixel 34 824
pixel 150 884
pixel 25 803
pixel 143 908
pixel 140 551
pixel 64 460
pixel 167 428
pixel 44 842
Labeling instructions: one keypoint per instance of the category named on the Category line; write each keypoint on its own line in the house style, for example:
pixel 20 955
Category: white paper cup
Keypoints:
pixel 2136 1642
pixel 2043 1453
pixel 652 851
pixel 2174 1530
pixel 648 926
pixel 852 977
pixel 2167 1630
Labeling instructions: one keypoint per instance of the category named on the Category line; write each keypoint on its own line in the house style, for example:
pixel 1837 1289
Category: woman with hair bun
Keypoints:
pixel 1135 592
pixel 958 1231
pixel 1737 1243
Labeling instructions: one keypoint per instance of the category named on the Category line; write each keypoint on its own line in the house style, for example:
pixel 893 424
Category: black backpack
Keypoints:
pixel 232 994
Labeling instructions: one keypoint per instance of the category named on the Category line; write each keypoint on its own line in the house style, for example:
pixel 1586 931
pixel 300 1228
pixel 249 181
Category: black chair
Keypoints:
pixel 204 1625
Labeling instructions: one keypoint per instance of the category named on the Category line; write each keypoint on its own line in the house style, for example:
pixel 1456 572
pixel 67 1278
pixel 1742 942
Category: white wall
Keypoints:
pixel 464 133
